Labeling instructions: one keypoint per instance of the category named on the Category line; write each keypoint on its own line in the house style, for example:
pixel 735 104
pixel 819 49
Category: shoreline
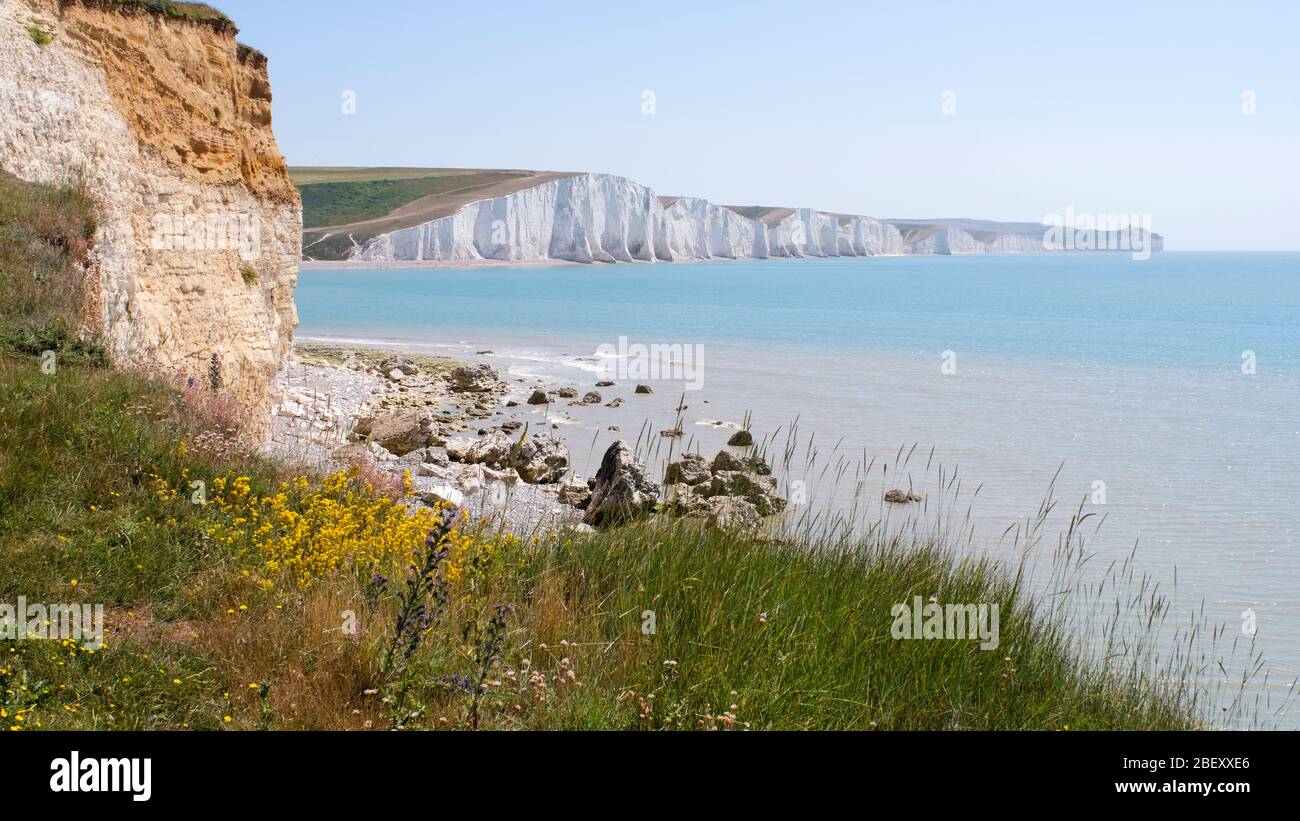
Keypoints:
pixel 455 425
pixel 330 394
pixel 346 265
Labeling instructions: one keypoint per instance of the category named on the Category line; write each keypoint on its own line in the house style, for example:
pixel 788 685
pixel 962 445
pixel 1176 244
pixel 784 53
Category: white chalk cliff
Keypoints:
pixel 605 218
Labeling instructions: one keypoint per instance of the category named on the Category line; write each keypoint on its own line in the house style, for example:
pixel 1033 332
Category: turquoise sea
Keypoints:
pixel 1174 382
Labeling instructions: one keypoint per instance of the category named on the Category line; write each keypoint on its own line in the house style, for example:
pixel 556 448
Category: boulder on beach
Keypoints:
pixel 457 448
pixel 540 459
pixel 443 495
pixel 566 392
pixel 622 489
pixel 644 389
pixel 726 460
pixel 604 383
pixel 492 450
pixel 473 378
pixel 398 432
pixel 432 470
pixel 592 398
pixel 691 469
pixel 575 493
pixel 539 398
pixel 731 513
pixel 399 363
pixel 687 500
pixel 760 491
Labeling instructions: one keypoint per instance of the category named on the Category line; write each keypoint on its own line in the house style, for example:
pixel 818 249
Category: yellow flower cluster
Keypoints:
pixel 304 533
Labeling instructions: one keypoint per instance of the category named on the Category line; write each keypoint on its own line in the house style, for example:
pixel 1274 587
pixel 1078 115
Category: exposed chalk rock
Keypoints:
pixel 623 489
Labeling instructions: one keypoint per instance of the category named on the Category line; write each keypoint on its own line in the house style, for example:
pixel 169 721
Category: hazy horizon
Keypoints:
pixel 1007 114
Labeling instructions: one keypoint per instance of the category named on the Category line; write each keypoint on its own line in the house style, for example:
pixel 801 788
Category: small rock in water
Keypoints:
pixel 616 403
pixel 741 439
pixel 567 393
pixel 592 398
pixel 604 383
pixel 644 389
pixel 539 398
pixel 900 497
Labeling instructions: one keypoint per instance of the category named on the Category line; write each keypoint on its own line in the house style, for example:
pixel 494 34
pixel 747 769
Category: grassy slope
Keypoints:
pixel 95 477
pixel 342 205
pixel 345 202
pixel 307 174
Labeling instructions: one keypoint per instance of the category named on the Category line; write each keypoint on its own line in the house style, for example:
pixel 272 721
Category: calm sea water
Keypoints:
pixel 1110 370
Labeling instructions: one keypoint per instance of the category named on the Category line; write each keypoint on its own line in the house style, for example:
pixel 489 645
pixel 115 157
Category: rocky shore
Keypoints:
pixel 493 447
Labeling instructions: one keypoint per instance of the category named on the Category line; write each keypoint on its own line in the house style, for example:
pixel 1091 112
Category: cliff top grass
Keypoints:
pixel 342 205
pixel 172 9
pixel 384 199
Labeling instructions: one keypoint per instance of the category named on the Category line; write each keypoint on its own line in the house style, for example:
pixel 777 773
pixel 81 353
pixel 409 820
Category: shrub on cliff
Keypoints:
pixel 174 9
pixel 45 235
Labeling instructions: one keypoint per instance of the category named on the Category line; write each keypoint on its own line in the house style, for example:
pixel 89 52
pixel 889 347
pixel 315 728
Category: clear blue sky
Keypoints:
pixel 1132 107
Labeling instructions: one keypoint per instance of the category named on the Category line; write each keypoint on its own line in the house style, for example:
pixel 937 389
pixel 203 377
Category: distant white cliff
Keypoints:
pixel 604 218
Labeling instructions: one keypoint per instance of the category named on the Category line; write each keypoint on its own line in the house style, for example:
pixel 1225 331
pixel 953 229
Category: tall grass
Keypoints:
pixel 1116 621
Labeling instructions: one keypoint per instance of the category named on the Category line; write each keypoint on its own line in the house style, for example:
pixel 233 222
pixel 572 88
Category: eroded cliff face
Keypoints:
pixel 167 123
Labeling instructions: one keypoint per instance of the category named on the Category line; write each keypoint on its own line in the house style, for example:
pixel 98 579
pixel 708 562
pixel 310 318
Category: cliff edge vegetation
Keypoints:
pixel 162 120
